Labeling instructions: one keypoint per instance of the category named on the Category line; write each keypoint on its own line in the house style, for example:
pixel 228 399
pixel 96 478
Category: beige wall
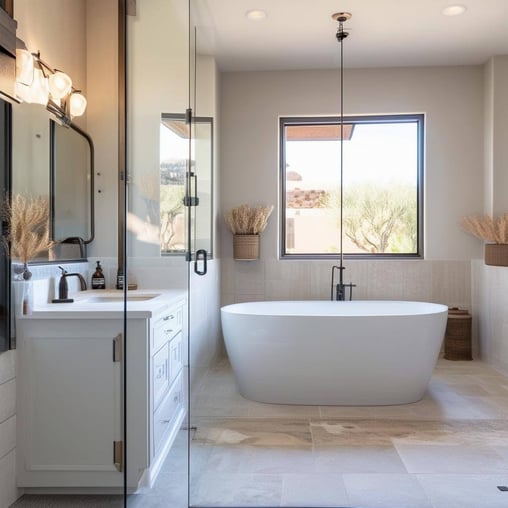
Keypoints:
pixel 451 98
pixel 102 119
pixel 490 283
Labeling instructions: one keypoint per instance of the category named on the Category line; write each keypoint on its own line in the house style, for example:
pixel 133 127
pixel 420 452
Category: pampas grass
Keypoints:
pixel 27 226
pixel 491 229
pixel 244 220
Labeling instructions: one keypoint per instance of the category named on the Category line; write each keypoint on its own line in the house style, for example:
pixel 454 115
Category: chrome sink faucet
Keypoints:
pixel 63 288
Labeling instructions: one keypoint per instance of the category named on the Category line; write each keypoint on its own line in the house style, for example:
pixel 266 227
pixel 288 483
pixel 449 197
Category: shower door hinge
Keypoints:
pixel 188 116
pixel 190 201
pixel 117 348
pixel 118 455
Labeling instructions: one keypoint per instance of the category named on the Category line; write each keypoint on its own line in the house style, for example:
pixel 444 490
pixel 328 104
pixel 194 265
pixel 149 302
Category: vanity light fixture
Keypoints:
pixel 454 10
pixel 256 15
pixel 37 82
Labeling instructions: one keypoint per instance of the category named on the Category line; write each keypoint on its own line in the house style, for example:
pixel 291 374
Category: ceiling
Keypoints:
pixel 300 34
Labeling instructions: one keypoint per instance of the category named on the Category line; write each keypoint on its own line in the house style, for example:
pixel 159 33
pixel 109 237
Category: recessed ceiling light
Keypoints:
pixel 256 15
pixel 454 10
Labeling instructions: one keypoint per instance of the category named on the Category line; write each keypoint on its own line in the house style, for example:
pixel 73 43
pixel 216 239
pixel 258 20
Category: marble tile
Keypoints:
pixel 170 489
pixel 269 460
pixel 359 459
pixel 229 489
pixel 250 432
pixel 465 491
pixel 452 432
pixel 322 489
pixel 451 459
pixel 346 411
pixel 334 433
pixel 457 429
pixel 260 410
pixel 385 490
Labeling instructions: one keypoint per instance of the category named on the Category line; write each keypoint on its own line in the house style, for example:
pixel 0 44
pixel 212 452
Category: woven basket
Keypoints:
pixel 496 254
pixel 246 247
pixel 458 335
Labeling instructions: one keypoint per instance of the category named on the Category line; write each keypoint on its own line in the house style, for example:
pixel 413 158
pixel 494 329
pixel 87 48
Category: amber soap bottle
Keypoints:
pixel 98 280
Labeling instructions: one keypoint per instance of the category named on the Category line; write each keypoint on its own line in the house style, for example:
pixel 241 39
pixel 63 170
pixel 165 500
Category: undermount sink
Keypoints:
pixel 119 298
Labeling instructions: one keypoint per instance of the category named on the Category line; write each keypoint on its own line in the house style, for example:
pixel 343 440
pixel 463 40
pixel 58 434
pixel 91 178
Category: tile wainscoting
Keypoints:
pixel 8 491
pixel 446 282
pixel 489 303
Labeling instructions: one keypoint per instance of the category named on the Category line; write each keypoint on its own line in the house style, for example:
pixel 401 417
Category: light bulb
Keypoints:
pixel 39 88
pixel 24 67
pixel 60 85
pixel 77 104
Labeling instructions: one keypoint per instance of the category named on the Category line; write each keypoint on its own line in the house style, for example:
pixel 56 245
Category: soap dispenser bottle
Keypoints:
pixel 98 280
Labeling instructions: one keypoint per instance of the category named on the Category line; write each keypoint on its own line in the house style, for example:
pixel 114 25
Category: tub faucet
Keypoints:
pixel 340 288
pixel 63 288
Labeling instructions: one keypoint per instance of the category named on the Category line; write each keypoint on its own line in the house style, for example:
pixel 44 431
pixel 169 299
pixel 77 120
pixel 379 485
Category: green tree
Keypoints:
pixel 378 219
pixel 171 206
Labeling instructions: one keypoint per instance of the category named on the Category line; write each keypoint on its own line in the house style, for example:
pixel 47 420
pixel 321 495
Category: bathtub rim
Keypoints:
pixel 375 308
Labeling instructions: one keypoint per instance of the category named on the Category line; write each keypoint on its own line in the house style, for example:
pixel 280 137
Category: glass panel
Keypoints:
pixel 203 167
pixel 157 315
pixel 69 375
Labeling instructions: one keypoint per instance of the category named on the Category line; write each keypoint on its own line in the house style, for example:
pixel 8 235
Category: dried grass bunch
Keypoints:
pixel 491 229
pixel 244 220
pixel 27 226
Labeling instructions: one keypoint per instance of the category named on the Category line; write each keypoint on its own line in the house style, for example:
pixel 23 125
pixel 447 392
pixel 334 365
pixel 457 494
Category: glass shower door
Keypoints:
pixel 156 255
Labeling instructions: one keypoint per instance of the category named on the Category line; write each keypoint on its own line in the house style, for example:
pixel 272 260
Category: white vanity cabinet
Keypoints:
pixel 70 392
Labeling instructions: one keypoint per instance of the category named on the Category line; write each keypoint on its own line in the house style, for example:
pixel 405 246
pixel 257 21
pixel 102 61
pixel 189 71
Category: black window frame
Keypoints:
pixel 418 118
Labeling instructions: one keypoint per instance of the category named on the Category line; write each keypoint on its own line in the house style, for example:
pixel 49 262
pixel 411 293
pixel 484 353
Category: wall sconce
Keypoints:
pixel 37 82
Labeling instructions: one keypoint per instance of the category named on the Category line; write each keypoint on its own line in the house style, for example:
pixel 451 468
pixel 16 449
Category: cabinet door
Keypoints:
pixel 73 397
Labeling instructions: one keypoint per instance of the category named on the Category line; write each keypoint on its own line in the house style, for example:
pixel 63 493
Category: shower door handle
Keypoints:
pixel 201 255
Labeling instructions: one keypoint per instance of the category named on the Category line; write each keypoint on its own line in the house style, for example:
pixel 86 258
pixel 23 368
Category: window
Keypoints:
pixel 382 186
pixel 174 154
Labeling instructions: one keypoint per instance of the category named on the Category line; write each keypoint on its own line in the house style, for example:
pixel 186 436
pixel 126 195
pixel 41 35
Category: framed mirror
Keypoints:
pixel 71 187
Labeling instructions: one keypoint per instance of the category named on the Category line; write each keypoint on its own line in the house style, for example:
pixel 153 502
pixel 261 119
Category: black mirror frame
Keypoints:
pixel 52 176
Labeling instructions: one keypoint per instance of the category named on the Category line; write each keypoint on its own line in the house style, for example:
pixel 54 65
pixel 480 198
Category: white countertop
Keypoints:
pixel 144 303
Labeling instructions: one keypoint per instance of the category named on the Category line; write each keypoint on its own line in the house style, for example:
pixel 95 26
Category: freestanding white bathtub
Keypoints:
pixel 354 353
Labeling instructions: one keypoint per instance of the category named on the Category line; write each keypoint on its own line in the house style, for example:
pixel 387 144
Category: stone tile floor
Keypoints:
pixel 450 450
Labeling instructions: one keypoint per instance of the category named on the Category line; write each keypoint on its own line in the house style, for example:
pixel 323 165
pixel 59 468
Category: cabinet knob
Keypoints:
pixel 165 422
pixel 167 318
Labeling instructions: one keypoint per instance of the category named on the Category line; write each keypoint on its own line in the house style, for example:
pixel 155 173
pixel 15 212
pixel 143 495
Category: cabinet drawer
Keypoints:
pixel 175 357
pixel 160 374
pixel 167 327
pixel 164 416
